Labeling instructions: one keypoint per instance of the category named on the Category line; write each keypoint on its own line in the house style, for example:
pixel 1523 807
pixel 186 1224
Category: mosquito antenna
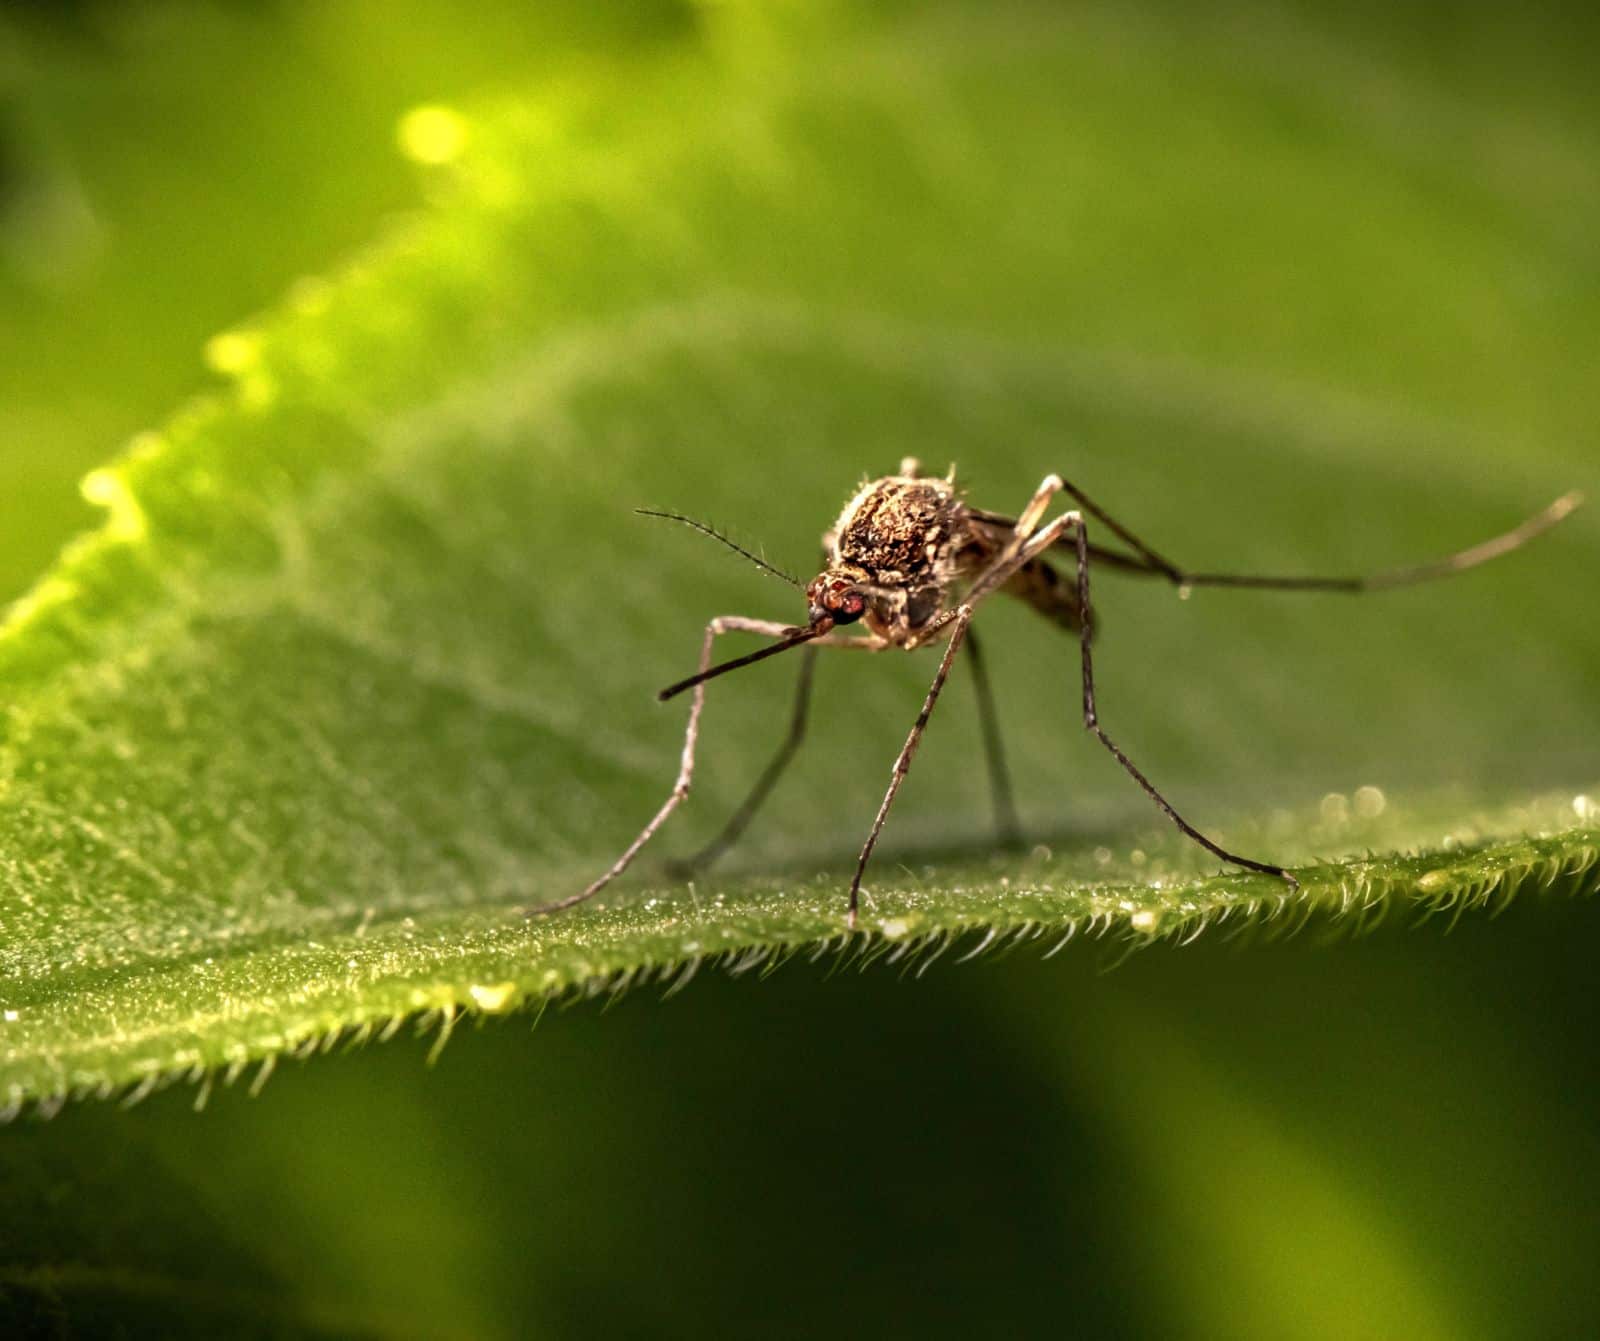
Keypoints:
pixel 793 639
pixel 717 535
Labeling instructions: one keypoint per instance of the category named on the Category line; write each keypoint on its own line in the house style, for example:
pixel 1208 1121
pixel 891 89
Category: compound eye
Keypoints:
pixel 851 605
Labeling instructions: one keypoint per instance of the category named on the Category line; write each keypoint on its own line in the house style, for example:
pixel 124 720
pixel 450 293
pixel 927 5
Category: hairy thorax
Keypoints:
pixel 896 530
pixel 907 538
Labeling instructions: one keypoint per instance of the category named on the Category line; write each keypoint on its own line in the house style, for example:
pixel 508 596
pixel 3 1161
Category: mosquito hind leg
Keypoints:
pixel 1027 523
pixel 1150 562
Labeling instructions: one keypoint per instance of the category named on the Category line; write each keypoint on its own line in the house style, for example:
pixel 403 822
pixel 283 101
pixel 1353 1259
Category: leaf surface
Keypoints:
pixel 361 662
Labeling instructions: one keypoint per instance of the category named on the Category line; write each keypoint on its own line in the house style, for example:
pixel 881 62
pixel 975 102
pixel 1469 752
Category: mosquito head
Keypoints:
pixel 835 598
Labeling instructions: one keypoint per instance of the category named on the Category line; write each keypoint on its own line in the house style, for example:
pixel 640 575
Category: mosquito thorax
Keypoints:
pixel 904 540
pixel 897 529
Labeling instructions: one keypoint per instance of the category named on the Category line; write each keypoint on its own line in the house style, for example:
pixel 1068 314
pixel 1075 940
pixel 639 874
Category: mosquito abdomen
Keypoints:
pixel 1042 587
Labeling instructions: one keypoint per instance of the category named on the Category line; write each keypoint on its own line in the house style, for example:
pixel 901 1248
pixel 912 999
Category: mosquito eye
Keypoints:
pixel 851 606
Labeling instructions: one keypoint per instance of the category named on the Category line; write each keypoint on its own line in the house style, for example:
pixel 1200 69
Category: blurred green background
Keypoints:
pixel 1390 1136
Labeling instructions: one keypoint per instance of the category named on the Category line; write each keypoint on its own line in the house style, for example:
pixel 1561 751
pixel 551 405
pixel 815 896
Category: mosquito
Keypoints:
pixel 910 561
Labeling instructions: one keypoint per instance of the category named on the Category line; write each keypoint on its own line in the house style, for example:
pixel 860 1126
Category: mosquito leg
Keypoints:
pixel 1029 520
pixel 680 788
pixel 1007 829
pixel 1162 565
pixel 769 778
pixel 1001 571
pixel 902 765
pixel 1023 548
pixel 1091 722
pixel 1151 562
pixel 1006 566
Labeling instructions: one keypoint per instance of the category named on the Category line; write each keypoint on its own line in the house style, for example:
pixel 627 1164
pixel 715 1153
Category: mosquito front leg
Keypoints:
pixel 959 619
pixel 769 777
pixel 785 755
pixel 680 789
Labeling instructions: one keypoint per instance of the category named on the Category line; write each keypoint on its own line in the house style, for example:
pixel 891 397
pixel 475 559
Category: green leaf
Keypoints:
pixel 361 662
